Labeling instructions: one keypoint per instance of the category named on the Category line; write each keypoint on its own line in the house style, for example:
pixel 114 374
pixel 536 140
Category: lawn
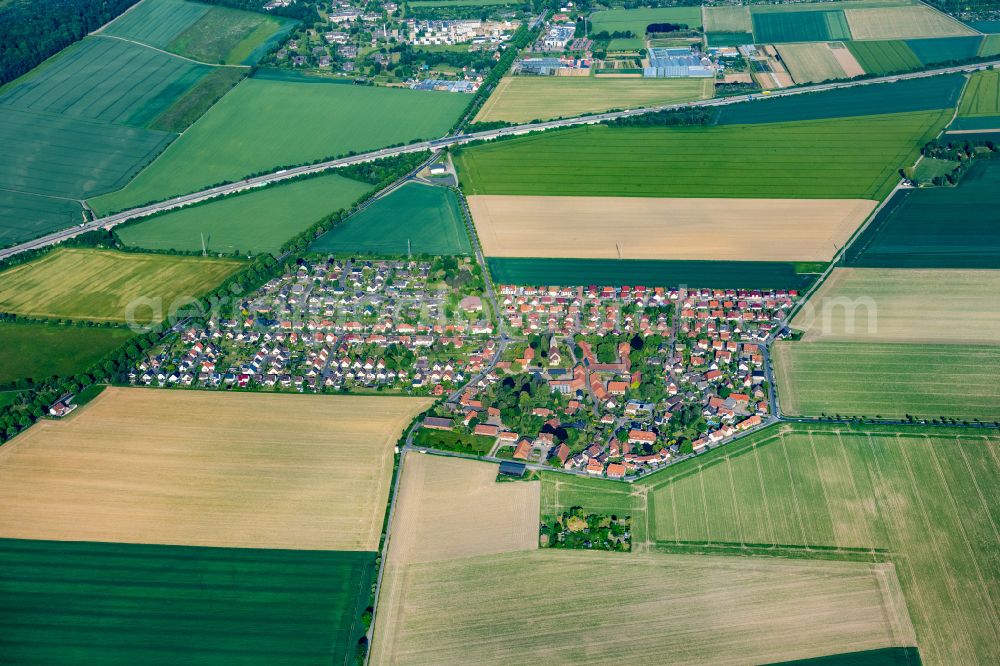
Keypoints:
pixel 207 468
pixel 884 57
pixel 941 227
pixel 927 381
pixel 982 96
pixel 24 216
pixel 448 440
pixel 8 397
pixel 275 120
pixel 920 497
pixel 800 26
pixel 722 274
pixel 38 351
pixel 519 99
pixel 838 158
pixel 945 49
pixel 636 20
pixel 416 218
pixel 917 20
pixel 561 492
pixel 153 604
pixel 103 285
pixel 255 221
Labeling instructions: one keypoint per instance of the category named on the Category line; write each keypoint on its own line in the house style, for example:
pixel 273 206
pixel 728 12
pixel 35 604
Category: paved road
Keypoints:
pixel 285 174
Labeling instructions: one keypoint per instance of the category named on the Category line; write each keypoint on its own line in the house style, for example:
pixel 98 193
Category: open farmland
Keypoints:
pixel 819 25
pixel 415 218
pixel 812 63
pixel 25 216
pixel 450 508
pixel 982 95
pixel 255 221
pixel 884 57
pixel 653 228
pixel 239 135
pixel 841 158
pixel 156 22
pixel 38 351
pixel 519 99
pixel 230 36
pixel 603 608
pixel 926 381
pixel 909 22
pixel 636 20
pixel 939 50
pixel 182 113
pixel 185 467
pixel 897 305
pixel 100 285
pixel 941 227
pixel 727 19
pixel 130 603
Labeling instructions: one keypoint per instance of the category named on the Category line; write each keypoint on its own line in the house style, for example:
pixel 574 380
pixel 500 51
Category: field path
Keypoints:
pixel 153 48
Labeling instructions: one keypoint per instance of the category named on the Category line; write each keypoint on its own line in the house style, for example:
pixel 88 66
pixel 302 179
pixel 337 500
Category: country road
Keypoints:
pixel 437 144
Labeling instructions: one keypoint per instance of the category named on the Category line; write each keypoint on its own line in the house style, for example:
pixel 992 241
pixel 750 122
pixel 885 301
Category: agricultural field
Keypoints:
pixel 182 113
pixel 852 158
pixel 562 492
pixel 820 25
pixel 654 228
pixel 519 99
pixel 38 351
pixel 940 227
pixel 727 19
pixel 101 285
pixel 130 603
pixel 416 218
pixel 185 468
pixel 450 508
pixel 735 274
pixel 636 20
pixel 945 49
pixel 255 221
pixel 914 21
pixel 990 45
pixel 926 381
pixel 729 38
pixel 25 216
pixel 240 135
pixel 156 22
pixel 982 95
pixel 904 305
pixel 546 605
pixel 884 57
pixel 814 62
pixel 924 94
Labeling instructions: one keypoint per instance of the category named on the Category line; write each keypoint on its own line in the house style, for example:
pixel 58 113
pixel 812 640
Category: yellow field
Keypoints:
pixel 553 606
pixel 207 469
pixel 848 63
pixel 101 285
pixel 727 19
pixel 904 305
pixel 903 23
pixel 811 62
pixel 651 228
pixel 519 99
pixel 449 508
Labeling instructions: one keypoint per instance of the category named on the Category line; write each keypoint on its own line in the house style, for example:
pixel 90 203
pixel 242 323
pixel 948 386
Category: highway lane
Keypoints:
pixel 459 139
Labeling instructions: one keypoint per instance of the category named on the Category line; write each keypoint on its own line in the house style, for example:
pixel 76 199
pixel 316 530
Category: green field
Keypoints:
pixel 230 36
pixel 734 274
pixel 255 221
pixel 38 351
pixel 941 227
pixel 8 398
pixel 884 57
pixel 729 38
pixel 937 50
pixel 898 656
pixel 636 20
pixel 927 381
pixel 982 95
pixel 275 120
pixel 459 3
pixel 156 22
pixel 100 285
pixel 560 492
pixel 839 158
pixel 800 26
pixel 990 45
pixel 416 218
pixel 24 216
pixel 196 101
pixel 109 603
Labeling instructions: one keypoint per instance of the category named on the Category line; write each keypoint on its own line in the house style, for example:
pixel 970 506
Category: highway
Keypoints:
pixel 286 174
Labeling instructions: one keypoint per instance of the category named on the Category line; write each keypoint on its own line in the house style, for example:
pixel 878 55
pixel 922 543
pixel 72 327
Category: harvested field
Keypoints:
pixel 38 351
pixel 811 62
pixel 727 19
pixel 449 508
pixel 845 59
pixel 982 95
pixel 897 305
pixel 917 20
pixel 884 57
pixel 499 609
pixel 303 472
pixel 520 99
pixel 818 25
pixel 652 228
pixel 101 285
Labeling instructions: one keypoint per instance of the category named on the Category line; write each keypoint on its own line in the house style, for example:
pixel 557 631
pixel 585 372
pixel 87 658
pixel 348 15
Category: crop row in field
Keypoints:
pixel 38 351
pixel 156 22
pixel 637 20
pixel 945 49
pixel 734 274
pixel 919 496
pixel 189 107
pixel 884 57
pixel 909 22
pixel 255 221
pixel 24 216
pixel 520 99
pixel 813 62
pixel 800 26
pixel 942 227
pixel 838 158
pixel 103 285
pixel 729 38
pixel 244 133
pixel 982 95
pixel 130 603
pixel 416 218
